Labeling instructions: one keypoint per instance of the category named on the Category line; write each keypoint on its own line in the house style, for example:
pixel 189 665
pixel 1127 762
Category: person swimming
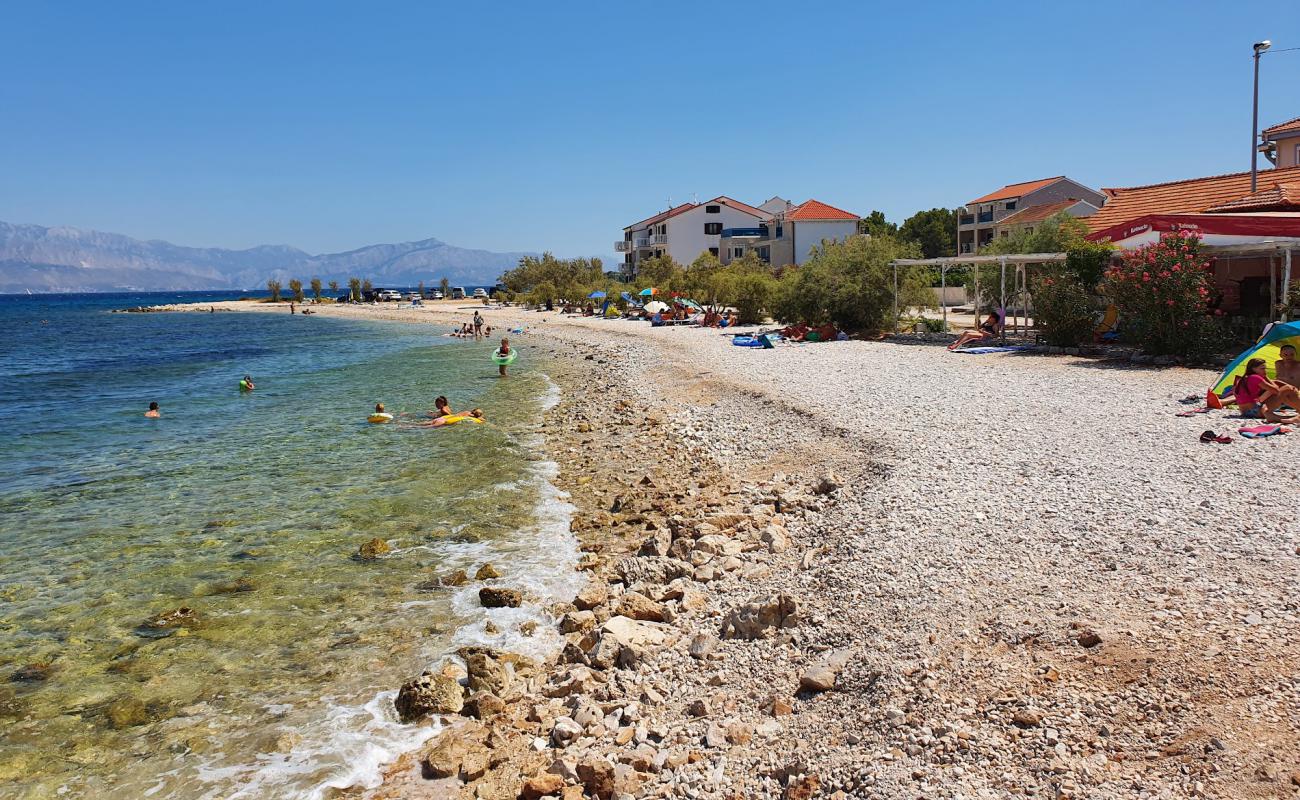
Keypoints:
pixel 443 408
pixel 379 415
pixel 246 384
pixel 475 414
pixel 153 412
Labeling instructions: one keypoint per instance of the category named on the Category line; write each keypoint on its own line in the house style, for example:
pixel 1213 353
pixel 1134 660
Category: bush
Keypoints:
pixel 1161 292
pixel 1065 310
pixel 851 284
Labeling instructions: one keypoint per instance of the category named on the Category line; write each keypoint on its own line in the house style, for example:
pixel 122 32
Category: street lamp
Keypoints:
pixel 1260 47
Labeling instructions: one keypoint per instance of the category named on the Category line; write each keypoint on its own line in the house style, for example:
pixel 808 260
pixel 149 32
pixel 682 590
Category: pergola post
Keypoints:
pixel 1272 289
pixel 943 294
pixel 1286 284
pixel 1003 300
pixel 895 298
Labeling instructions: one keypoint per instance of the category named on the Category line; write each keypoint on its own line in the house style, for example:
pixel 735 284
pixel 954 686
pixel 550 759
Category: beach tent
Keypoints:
pixel 655 306
pixel 1267 348
pixel 650 292
pixel 596 295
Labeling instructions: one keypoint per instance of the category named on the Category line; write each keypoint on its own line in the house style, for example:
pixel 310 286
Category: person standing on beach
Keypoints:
pixel 478 325
pixel 153 412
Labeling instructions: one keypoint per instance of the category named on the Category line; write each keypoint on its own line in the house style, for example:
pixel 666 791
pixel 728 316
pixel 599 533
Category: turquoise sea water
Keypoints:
pixel 246 509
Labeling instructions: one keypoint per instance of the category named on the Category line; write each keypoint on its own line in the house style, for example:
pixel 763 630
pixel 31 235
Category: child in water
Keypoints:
pixel 153 412
pixel 246 384
pixel 441 421
pixel 503 352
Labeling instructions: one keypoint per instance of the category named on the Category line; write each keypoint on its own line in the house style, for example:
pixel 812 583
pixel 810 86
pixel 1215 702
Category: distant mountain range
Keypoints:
pixel 43 259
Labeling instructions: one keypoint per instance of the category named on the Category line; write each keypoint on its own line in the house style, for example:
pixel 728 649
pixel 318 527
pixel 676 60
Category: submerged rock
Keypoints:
pixel 429 694
pixel 126 712
pixel 455 578
pixel 486 572
pixel 373 549
pixel 233 587
pixel 168 622
pixel 35 672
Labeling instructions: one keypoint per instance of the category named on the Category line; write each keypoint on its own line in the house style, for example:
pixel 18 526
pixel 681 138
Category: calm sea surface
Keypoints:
pixel 246 509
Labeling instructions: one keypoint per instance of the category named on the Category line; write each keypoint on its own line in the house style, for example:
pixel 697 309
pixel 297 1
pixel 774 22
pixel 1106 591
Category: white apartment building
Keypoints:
pixel 684 232
pixel 788 232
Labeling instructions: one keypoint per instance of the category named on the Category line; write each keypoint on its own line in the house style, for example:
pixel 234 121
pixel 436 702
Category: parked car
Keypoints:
pixel 457 293
pixel 480 293
pixel 413 296
pixel 387 295
pixel 437 295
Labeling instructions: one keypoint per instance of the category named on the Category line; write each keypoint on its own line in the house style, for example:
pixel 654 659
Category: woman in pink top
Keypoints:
pixel 1257 395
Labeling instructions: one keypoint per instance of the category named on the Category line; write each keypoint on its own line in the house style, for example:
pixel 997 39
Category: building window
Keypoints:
pixel 713 251
pixel 712 228
pixel 737 252
pixel 779 232
pixel 713 209
pixel 765 254
pixel 1005 234
pixel 1011 205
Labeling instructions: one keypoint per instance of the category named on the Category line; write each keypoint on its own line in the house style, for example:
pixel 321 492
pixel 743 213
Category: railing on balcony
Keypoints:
pixel 622 246
pixel 967 219
pixel 986 216
pixel 744 233
pixel 660 238
pixel 642 242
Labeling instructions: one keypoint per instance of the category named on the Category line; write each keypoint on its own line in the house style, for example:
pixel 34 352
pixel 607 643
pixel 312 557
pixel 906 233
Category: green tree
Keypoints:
pixel 295 289
pixel 548 278
pixel 315 288
pixel 875 224
pixel 354 289
pixel 273 286
pixel 934 231
pixel 366 287
pixel 1056 234
pixel 444 286
pixel 851 284
pixel 334 288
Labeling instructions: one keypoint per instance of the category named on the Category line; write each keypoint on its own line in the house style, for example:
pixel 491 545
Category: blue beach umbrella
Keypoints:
pixel 649 292
pixel 596 295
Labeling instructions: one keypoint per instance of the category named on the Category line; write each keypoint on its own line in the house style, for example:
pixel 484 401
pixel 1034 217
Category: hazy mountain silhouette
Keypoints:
pixel 62 259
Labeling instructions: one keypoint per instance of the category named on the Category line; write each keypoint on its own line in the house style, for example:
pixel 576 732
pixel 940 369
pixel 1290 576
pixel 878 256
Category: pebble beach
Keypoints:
pixel 882 570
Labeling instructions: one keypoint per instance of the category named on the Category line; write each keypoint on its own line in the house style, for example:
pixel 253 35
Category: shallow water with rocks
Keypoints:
pixel 184 610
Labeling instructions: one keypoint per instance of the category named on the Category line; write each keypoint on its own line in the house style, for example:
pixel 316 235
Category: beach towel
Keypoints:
pixel 979 351
pixel 1260 431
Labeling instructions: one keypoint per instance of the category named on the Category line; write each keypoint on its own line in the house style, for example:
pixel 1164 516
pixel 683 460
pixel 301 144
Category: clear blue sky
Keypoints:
pixel 539 126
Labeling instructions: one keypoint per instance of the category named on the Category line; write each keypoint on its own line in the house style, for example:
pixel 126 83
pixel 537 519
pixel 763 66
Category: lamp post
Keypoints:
pixel 1260 47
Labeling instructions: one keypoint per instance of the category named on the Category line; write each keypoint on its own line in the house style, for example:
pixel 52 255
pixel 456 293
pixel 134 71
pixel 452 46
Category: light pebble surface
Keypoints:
pixel 995 510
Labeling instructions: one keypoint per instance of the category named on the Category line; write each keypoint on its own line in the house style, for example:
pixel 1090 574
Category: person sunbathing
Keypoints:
pixel 1257 396
pixel 988 329
pixel 452 419
pixel 1287 368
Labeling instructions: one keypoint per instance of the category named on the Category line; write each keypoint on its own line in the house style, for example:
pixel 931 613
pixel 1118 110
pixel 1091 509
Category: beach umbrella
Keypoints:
pixel 596 295
pixel 1268 348
pixel 649 292
pixel 689 303
pixel 655 306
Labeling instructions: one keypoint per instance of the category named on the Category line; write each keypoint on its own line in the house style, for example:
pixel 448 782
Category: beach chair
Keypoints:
pixel 1108 329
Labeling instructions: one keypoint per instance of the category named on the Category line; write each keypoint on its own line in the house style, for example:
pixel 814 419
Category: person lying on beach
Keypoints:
pixel 153 412
pixel 1287 367
pixel 987 330
pixel 794 333
pixel 1258 396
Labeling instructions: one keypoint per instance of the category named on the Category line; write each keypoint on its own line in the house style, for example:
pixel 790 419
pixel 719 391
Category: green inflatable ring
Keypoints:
pixel 506 359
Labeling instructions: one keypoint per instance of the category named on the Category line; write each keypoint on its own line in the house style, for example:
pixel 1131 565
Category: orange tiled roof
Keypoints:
pixel 816 209
pixel 1036 213
pixel 1291 125
pixel 1280 197
pixel 1190 196
pixel 1017 189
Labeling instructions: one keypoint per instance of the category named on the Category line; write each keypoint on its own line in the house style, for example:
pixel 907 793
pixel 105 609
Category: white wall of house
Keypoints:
pixel 809 234
pixel 686 236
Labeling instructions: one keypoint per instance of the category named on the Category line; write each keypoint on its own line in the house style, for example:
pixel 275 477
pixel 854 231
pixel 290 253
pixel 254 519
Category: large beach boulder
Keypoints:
pixel 761 617
pixel 430 693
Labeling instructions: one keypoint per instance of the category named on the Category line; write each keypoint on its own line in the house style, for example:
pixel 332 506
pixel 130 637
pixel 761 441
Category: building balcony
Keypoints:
pixel 622 246
pixel 744 233
pixel 659 238
pixel 641 242
pixel 985 217
pixel 966 219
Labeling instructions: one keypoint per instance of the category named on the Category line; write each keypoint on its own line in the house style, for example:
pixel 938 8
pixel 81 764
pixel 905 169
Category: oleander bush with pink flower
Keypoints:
pixel 1161 291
